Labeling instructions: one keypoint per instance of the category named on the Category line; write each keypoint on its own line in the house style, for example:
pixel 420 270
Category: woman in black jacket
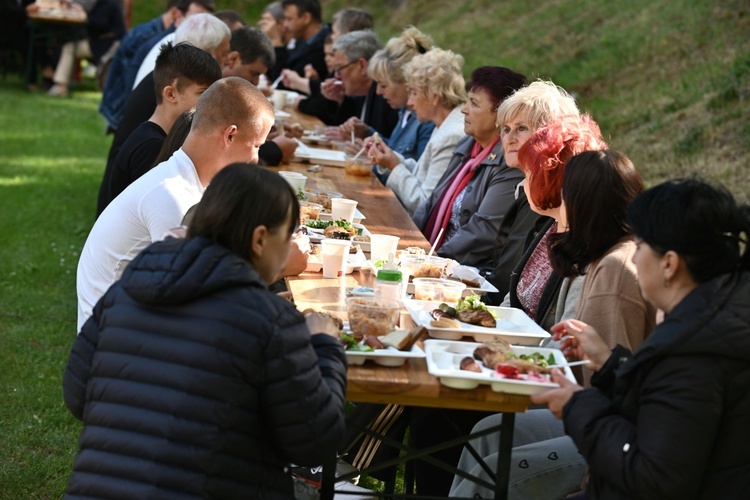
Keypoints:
pixel 671 419
pixel 191 378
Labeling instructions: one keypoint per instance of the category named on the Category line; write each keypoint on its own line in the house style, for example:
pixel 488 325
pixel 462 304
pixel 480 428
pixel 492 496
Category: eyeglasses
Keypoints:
pixel 338 70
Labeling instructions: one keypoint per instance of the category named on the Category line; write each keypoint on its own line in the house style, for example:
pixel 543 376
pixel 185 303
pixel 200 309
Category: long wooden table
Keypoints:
pixel 409 384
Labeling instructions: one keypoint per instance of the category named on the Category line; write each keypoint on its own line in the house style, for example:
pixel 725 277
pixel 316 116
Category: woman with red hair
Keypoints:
pixel 534 285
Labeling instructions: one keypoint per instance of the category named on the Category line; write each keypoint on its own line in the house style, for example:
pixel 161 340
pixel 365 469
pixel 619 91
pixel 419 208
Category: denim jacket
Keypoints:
pixel 121 74
pixel 409 141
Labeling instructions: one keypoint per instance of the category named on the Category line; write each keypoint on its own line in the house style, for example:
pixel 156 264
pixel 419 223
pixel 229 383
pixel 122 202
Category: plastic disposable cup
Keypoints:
pixel 295 179
pixel 381 245
pixel 278 98
pixel 341 208
pixel 333 253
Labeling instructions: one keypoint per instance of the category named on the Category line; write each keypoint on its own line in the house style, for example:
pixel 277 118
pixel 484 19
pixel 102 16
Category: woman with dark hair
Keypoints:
pixel 670 419
pixel 191 378
pixel 597 187
pixel 474 193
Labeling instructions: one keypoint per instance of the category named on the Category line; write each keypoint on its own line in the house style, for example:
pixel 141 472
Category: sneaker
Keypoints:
pixel 58 90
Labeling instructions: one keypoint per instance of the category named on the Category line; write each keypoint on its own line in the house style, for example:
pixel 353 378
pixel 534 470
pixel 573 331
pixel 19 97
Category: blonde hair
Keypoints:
pixel 388 63
pixel 541 100
pixel 437 73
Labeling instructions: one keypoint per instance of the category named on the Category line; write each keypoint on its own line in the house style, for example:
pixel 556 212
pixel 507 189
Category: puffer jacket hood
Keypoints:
pixel 175 271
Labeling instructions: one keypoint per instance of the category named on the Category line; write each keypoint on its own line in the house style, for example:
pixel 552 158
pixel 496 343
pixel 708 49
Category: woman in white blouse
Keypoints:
pixel 436 94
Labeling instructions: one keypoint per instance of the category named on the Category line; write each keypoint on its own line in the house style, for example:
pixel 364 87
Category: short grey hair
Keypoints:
pixel 204 31
pixel 358 45
pixel 276 10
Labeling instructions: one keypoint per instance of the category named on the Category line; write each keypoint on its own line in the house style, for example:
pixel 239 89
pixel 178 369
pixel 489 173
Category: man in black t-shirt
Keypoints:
pixel 182 73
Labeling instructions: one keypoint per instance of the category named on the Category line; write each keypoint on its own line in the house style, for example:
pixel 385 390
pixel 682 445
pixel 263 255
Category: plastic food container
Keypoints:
pixel 369 316
pixel 438 290
pixel 357 166
pixel 422 266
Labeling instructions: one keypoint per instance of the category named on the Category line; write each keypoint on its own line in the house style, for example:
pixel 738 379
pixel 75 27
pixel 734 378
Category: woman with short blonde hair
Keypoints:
pixel 410 135
pixel 436 93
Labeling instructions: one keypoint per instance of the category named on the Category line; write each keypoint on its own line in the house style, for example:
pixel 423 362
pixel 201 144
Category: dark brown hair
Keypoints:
pixel 240 198
pixel 597 188
pixel 497 81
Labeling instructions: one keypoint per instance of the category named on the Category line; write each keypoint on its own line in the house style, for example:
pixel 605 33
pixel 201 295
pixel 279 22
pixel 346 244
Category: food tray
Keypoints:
pixel 444 358
pixel 316 236
pixel 486 287
pixel 326 215
pixel 513 325
pixel 330 157
pixel 313 138
pixel 353 263
pixel 389 356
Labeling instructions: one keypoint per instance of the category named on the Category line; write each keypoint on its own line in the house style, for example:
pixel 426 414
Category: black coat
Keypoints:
pixel 310 52
pixel 194 381
pixel 673 420
pixel 510 243
pixel 547 307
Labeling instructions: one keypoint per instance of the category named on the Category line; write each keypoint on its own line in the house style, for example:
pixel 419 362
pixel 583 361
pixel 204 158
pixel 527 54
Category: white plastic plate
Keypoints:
pixel 444 361
pixel 513 325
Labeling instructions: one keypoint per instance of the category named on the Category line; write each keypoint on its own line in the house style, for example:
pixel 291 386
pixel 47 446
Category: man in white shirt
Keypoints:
pixel 232 120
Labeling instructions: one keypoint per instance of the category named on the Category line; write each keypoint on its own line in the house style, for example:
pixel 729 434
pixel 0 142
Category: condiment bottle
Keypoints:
pixel 388 282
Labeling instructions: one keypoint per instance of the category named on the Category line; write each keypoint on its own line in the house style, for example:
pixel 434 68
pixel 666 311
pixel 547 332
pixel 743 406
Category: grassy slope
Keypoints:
pixel 668 81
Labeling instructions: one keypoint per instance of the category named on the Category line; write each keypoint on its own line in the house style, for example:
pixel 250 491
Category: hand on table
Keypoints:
pixel 354 124
pixel 310 73
pixel 292 80
pixel 288 147
pixel 296 262
pixel 380 154
pixel 333 89
pixel 556 399
pixel 580 341
pixel 293 130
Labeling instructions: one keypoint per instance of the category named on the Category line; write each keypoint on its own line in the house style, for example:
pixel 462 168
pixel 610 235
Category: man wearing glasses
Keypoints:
pixel 363 110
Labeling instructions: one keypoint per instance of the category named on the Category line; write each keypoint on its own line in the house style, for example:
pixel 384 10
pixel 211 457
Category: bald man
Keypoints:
pixel 232 120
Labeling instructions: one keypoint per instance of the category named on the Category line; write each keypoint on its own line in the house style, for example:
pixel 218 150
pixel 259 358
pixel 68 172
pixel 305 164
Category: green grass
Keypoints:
pixel 668 81
pixel 52 153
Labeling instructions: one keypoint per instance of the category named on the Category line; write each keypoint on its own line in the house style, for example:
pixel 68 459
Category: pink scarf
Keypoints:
pixel 441 212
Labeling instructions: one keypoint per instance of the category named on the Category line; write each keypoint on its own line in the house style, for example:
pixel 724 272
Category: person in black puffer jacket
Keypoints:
pixel 191 378
pixel 671 419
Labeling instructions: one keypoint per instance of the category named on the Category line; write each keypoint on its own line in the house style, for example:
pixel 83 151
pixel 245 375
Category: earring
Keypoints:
pixel 666 282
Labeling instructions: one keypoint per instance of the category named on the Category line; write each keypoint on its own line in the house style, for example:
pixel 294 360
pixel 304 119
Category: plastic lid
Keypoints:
pixel 389 275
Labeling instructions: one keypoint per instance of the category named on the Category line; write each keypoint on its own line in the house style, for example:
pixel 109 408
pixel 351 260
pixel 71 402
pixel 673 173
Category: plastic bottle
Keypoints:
pixel 388 284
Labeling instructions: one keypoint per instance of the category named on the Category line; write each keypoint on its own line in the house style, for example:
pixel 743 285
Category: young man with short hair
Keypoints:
pixel 182 73
pixel 130 54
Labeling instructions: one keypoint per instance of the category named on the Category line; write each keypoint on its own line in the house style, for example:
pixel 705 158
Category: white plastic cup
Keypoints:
pixel 278 98
pixel 333 253
pixel 295 179
pixel 341 208
pixel 381 245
